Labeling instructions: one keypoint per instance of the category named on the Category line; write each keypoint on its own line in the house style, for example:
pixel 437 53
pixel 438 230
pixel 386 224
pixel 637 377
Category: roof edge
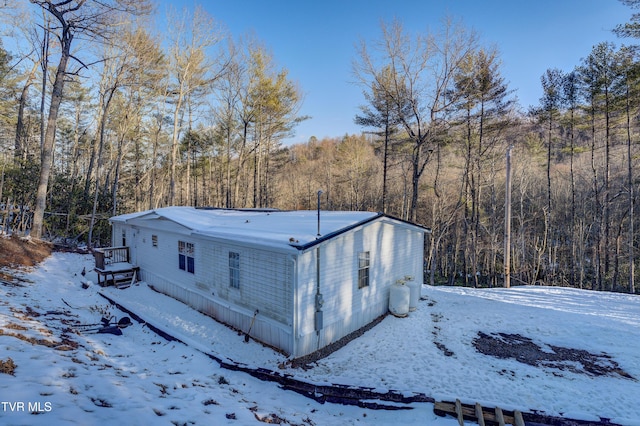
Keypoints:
pixel 406 222
pixel 142 214
pixel 330 235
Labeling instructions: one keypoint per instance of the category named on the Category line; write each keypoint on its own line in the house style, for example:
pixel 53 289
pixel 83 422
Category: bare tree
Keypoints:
pixel 570 94
pixel 224 113
pixel 356 173
pixel 483 106
pixel 276 101
pixel 131 67
pixel 552 83
pixel 631 74
pixel 192 72
pixel 142 77
pixel 422 68
pixel 380 114
pixel 90 19
pixel 20 149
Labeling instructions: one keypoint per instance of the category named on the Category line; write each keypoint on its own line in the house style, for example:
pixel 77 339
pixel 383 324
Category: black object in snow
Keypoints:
pixel 106 326
pixel 246 336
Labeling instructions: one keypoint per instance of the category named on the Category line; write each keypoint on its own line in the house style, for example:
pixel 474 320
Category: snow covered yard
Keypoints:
pixel 62 377
pixel 497 347
pixel 434 351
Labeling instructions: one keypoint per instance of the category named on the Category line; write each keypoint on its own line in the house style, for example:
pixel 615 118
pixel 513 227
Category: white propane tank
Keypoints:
pixel 399 299
pixel 414 290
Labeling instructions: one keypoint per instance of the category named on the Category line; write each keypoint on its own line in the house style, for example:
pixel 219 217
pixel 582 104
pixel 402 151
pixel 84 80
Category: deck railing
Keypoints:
pixel 107 255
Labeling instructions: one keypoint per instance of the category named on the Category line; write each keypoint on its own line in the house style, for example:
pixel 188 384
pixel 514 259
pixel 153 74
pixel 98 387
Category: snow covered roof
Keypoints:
pixel 287 229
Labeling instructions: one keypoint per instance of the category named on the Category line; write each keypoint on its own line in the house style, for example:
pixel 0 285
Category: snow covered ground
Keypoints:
pixel 62 377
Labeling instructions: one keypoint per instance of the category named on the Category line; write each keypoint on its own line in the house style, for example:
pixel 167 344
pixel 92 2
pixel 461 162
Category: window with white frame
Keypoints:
pixel 234 269
pixel 363 269
pixel 186 258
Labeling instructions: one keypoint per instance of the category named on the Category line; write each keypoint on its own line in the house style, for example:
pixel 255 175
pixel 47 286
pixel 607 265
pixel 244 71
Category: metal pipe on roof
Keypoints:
pixel 319 194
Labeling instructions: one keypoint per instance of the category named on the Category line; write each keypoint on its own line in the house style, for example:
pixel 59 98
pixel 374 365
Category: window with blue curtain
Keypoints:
pixel 186 256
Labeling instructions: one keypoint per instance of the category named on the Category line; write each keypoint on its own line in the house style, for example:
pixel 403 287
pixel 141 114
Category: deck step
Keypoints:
pixel 477 413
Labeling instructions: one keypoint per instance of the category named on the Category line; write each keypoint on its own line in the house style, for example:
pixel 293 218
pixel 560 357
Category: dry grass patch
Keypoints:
pixel 65 344
pixel 8 366
pixel 16 251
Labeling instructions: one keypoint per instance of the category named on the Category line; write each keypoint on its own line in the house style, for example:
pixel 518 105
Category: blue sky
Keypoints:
pixel 315 41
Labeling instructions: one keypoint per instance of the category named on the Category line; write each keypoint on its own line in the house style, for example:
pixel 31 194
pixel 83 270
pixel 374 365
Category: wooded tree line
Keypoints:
pixel 198 118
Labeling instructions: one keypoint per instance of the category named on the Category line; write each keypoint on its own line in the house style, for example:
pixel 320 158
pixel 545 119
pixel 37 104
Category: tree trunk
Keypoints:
pixel 606 195
pixel 116 176
pixel 415 185
pixel 154 155
pixel 228 203
pixel 573 205
pixel 385 166
pixel 97 186
pixel 44 64
pixel 19 151
pixel 632 286
pixel 174 148
pixel 597 211
pixel 46 156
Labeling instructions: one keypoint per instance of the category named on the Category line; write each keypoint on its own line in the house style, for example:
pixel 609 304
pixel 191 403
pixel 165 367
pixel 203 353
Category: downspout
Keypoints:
pixel 319 299
pixel 294 310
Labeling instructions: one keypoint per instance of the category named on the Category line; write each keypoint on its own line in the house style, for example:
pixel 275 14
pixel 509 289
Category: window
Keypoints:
pixel 186 256
pixel 363 269
pixel 234 269
pixel 124 238
pixel 154 240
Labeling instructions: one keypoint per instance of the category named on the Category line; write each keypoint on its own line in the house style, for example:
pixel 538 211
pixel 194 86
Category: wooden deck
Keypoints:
pixel 114 267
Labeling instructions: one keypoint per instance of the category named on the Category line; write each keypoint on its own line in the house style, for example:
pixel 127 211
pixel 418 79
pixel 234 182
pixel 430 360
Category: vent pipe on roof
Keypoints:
pixel 319 194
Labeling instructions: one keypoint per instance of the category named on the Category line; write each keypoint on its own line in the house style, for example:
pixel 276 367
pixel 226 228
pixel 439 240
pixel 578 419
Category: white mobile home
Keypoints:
pixel 311 278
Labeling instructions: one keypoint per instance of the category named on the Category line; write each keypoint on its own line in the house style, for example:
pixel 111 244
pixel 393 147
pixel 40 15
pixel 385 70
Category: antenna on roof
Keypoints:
pixel 319 194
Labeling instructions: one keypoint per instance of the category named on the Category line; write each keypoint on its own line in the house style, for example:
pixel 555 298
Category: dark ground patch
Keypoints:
pixel 524 350
pixel 305 362
pixel 436 335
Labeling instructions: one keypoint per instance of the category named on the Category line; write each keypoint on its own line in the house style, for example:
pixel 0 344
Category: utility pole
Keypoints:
pixel 507 223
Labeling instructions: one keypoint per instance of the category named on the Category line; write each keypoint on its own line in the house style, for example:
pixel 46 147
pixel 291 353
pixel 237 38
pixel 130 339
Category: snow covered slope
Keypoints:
pixel 562 351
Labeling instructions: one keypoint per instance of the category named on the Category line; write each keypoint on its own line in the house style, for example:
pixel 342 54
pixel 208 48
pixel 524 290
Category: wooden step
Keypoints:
pixel 479 414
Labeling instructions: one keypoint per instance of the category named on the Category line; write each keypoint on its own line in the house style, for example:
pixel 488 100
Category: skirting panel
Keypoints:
pixel 265 330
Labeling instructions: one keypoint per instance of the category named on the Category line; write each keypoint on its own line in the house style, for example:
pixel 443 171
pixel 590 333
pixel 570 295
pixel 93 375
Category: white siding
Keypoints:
pixel 163 259
pixel 117 233
pixel 265 279
pixel 116 229
pixel 264 329
pixel 286 317
pixel 395 251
